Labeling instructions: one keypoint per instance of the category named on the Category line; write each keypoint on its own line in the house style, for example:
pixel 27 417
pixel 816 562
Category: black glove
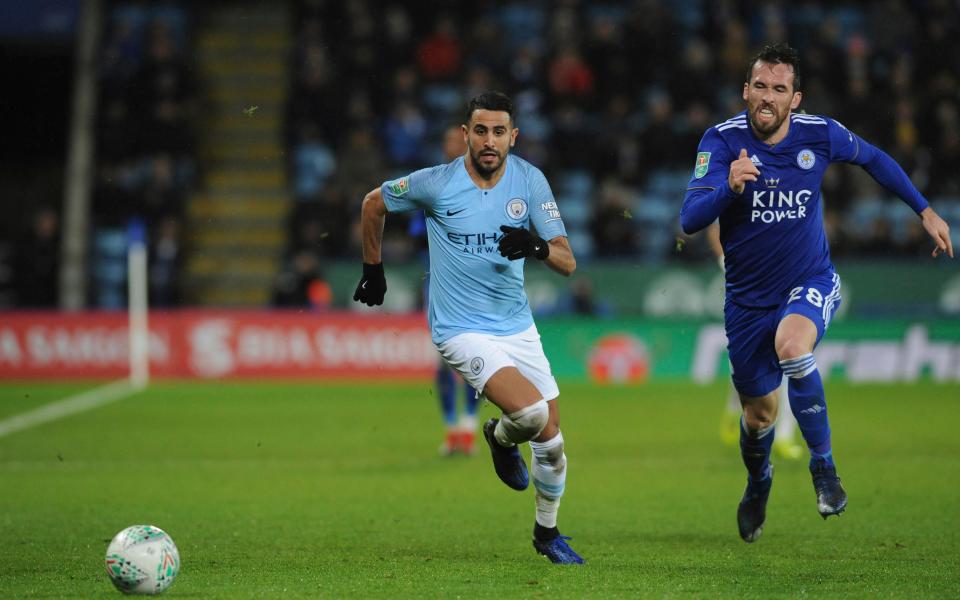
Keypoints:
pixel 372 286
pixel 518 242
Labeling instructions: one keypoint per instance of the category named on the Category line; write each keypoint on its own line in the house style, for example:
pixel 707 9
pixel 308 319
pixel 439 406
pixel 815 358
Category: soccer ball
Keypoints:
pixel 142 559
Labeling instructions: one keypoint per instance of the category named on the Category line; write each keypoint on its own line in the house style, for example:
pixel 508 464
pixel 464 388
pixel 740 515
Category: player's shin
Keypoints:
pixel 549 466
pixel 755 450
pixel 809 405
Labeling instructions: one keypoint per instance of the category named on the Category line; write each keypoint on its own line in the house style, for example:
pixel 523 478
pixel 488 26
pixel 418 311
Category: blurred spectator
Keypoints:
pixel 313 163
pixel 612 224
pixel 438 56
pixel 300 283
pixel 571 78
pixel 579 300
pixel 164 264
pixel 37 262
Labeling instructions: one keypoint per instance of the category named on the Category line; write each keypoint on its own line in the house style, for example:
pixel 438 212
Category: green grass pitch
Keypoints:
pixel 337 490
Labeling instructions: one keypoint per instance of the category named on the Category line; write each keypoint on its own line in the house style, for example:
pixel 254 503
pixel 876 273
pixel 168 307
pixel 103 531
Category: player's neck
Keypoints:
pixel 485 181
pixel 777 136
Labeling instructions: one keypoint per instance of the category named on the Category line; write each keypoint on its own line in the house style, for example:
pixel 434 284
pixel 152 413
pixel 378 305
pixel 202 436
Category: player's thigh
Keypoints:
pixel 796 336
pixel 510 390
pixel 755 369
pixel 526 352
pixel 483 363
pixel 817 299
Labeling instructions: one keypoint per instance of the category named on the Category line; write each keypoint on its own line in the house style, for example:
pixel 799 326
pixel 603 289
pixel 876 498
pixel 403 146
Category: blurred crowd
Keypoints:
pixel 145 131
pixel 612 99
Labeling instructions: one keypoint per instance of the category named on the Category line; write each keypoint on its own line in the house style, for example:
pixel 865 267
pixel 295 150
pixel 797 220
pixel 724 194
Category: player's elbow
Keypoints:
pixel 694 214
pixel 373 204
pixel 568 267
pixel 688 224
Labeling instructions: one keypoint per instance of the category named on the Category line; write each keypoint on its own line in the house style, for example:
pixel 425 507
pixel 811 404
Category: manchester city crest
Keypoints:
pixel 517 208
pixel 806 159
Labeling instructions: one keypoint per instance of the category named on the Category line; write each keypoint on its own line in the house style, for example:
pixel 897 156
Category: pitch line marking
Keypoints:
pixel 70 405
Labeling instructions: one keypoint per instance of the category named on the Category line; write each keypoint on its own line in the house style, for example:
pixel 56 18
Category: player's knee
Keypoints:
pixel 790 348
pixel 758 421
pixel 526 423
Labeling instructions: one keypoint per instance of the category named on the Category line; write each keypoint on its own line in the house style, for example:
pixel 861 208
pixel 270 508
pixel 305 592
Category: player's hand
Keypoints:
pixel 372 286
pixel 519 242
pixel 742 170
pixel 939 231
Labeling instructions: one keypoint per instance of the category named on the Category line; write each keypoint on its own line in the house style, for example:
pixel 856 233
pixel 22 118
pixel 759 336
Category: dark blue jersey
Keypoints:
pixel 772 234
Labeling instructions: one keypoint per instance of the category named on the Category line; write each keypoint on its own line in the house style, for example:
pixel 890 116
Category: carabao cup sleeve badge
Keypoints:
pixel 703 161
pixel 399 187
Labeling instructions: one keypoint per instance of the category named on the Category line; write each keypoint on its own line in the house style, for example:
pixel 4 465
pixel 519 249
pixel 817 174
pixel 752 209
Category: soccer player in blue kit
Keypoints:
pixel 478 208
pixel 760 173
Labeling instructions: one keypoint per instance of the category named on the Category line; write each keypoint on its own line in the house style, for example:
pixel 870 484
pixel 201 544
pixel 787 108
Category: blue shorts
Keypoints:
pixel 751 331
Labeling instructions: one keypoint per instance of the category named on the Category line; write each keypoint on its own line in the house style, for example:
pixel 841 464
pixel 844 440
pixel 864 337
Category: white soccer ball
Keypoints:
pixel 142 559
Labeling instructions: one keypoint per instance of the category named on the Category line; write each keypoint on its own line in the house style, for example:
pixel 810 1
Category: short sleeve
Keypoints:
pixel 544 212
pixel 844 145
pixel 416 190
pixel 712 164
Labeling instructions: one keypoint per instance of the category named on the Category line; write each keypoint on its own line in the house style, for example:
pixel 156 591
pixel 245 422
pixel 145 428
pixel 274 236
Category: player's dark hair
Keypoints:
pixel 780 53
pixel 490 101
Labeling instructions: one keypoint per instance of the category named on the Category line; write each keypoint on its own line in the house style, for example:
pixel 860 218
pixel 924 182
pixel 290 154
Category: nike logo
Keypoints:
pixel 450 213
pixel 363 285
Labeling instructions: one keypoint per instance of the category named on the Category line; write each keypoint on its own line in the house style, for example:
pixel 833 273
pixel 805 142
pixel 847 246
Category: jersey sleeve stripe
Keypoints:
pixel 806 119
pixel 738 120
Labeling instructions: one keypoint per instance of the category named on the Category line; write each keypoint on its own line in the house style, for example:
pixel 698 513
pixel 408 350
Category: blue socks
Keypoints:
pixel 809 406
pixel 755 450
pixel 447 391
pixel 470 400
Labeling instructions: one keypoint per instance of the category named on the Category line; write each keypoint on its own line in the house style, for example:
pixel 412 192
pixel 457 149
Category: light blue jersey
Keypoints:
pixel 472 287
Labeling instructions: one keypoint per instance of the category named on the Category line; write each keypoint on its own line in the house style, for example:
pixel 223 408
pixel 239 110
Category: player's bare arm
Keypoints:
pixel 939 231
pixel 372 217
pixel 561 257
pixel 373 284
pixel 742 170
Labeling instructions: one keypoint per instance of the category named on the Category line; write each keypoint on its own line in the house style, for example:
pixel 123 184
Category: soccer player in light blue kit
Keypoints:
pixel 478 208
pixel 760 173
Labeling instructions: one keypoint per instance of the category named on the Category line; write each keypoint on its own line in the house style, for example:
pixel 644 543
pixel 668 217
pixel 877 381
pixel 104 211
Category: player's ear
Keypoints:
pixel 466 132
pixel 795 102
pixel 746 91
pixel 513 136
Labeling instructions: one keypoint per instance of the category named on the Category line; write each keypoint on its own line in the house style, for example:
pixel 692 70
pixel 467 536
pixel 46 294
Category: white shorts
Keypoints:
pixel 477 356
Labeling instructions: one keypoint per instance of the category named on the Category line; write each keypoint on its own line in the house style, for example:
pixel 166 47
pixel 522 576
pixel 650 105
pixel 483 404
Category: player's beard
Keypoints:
pixel 769 128
pixel 482 170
